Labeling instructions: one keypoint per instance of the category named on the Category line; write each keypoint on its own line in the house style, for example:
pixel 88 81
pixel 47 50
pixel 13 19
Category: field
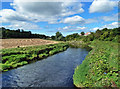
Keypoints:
pixel 13 43
pixel 100 67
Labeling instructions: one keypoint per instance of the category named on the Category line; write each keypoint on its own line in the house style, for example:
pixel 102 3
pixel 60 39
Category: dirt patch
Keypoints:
pixel 13 43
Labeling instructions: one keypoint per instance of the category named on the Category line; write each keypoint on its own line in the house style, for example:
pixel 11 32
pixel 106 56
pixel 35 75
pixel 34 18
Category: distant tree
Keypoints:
pixel 104 29
pixel 82 33
pixel 53 37
pixel 18 30
pixel 59 36
pixel 74 36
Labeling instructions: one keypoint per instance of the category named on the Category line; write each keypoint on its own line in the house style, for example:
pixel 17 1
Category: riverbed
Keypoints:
pixel 54 71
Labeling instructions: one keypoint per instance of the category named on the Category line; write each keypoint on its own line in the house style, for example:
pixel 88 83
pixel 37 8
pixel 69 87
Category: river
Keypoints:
pixel 54 71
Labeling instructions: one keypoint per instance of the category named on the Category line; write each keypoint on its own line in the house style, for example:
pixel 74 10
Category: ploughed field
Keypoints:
pixel 13 43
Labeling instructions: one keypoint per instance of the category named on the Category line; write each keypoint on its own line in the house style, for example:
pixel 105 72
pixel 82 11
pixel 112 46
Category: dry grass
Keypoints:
pixel 13 43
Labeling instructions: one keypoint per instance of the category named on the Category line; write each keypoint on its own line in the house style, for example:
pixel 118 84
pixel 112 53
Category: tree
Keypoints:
pixel 59 36
pixel 53 37
pixel 82 33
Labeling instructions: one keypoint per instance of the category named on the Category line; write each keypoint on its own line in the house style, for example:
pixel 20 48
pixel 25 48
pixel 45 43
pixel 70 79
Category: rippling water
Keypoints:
pixel 54 71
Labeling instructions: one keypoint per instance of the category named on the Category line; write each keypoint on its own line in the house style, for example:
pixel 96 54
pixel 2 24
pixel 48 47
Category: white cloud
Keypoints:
pixel 66 27
pixel 113 17
pixel 23 25
pixel 37 11
pixel 72 8
pixel 112 25
pixel 109 26
pixel 38 8
pixel 74 20
pixel 102 6
pixel 93 20
pixel 96 28
pixel 71 28
pixel 9 15
pixel 81 28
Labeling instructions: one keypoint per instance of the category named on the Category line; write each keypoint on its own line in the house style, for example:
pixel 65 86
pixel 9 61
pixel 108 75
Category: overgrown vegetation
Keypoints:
pixel 103 35
pixel 79 44
pixel 15 57
pixel 100 67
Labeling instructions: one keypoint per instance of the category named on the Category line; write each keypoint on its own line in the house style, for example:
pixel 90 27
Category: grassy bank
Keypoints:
pixel 100 67
pixel 79 44
pixel 15 57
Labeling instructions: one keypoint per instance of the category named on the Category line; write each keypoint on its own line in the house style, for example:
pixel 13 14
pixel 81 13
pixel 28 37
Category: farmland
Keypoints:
pixel 13 43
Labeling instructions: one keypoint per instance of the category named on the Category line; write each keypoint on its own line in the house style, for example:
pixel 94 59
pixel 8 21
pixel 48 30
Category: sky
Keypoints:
pixel 65 16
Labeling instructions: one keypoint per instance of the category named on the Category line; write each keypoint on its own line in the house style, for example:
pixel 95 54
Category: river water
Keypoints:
pixel 54 71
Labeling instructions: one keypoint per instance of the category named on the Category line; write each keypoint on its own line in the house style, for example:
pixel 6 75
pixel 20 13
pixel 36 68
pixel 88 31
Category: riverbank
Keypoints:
pixel 100 67
pixel 79 44
pixel 15 57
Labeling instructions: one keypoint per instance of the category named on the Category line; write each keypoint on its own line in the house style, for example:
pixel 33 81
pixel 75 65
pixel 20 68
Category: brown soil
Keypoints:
pixel 13 43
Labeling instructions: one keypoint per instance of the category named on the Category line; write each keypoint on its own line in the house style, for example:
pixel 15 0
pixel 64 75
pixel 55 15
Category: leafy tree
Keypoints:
pixel 82 33
pixel 59 36
pixel 53 37
pixel 74 36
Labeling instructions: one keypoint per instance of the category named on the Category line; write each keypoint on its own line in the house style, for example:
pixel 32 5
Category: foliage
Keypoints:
pixel 82 33
pixel 104 35
pixel 14 57
pixel 59 36
pixel 7 33
pixel 100 67
pixel 74 36
pixel 79 44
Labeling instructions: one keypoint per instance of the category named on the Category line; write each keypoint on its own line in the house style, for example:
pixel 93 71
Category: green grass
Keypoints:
pixel 100 67
pixel 15 57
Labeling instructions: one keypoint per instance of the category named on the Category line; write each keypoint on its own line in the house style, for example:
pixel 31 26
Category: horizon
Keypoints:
pixel 66 17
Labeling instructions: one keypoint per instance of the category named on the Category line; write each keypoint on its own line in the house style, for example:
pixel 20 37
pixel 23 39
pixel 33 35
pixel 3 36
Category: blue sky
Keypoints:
pixel 67 17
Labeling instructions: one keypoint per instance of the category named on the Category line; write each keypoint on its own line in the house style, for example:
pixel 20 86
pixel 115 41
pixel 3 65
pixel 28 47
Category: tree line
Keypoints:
pixel 20 33
pixel 104 35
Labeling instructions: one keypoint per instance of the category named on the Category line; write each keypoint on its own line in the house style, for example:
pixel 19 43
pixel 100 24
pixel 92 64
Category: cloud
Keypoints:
pixel 109 26
pixel 81 28
pixel 113 17
pixel 66 28
pixel 38 8
pixel 72 8
pixel 71 28
pixel 23 25
pixel 102 6
pixel 8 15
pixel 74 20
pixel 112 25
pixel 38 11
pixel 96 28
pixel 92 20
